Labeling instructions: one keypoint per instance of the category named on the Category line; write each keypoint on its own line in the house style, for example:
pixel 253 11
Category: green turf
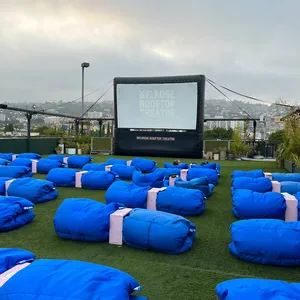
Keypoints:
pixel 188 276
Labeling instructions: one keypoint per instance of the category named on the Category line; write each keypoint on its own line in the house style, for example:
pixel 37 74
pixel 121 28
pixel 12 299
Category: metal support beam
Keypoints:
pixel 254 131
pixel 76 127
pixel 29 117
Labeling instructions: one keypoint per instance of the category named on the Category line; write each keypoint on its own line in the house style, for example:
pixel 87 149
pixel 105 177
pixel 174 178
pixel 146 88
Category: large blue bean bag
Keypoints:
pixel 26 162
pixel 207 166
pixel 211 174
pixel 34 190
pixel 169 171
pixel 200 184
pixel 15 171
pixel 257 289
pixel 2 184
pixel 144 165
pixel 98 180
pixel 62 177
pixel 10 257
pixel 154 179
pixel 128 194
pixel 15 212
pixel 44 165
pixel 252 174
pixel 30 155
pixel 286 177
pixel 168 165
pixel 172 199
pixel 59 157
pixel 260 185
pixel 115 161
pixel 124 172
pixel 252 205
pixel 273 242
pixel 6 156
pixel 94 167
pixel 290 187
pixel 65 279
pixel 78 161
pixel 4 162
pixel 158 231
pixel 181 201
pixel 83 219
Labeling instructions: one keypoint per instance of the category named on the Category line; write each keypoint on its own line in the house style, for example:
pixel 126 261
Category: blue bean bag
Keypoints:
pixel 98 180
pixel 252 205
pixel 273 242
pixel 181 201
pixel 173 200
pixel 44 165
pixel 290 187
pixel 129 194
pixel 154 179
pixel 144 165
pixel 10 257
pixel 35 190
pixel 207 166
pixel 62 177
pixel 78 161
pixel 15 212
pixel 6 156
pixel 59 157
pixel 179 166
pixel 2 184
pixel 15 171
pixel 4 162
pixel 286 177
pixel 29 155
pixel 124 172
pixel 169 171
pixel 211 174
pixel 83 219
pixel 252 174
pixel 260 185
pixel 257 289
pixel 158 231
pixel 94 167
pixel 26 162
pixel 68 279
pixel 115 161
pixel 200 184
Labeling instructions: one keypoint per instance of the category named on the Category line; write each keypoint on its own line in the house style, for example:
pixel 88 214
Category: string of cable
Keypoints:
pixel 229 99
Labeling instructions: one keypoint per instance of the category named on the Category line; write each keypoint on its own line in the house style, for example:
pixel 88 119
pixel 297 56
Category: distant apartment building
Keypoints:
pixel 52 120
pixel 2 117
pixel 94 114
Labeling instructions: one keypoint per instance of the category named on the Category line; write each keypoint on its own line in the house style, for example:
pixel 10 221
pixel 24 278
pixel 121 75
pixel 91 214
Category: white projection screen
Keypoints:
pixel 157 105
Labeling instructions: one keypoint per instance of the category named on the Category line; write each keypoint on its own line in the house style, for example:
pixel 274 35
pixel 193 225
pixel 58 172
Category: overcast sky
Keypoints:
pixel 250 46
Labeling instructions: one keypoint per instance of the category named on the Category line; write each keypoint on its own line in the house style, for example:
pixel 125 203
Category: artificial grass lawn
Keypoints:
pixel 190 276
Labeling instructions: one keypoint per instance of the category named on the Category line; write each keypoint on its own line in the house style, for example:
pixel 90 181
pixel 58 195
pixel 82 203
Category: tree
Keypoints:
pixel 277 136
pixel 9 128
pixel 238 147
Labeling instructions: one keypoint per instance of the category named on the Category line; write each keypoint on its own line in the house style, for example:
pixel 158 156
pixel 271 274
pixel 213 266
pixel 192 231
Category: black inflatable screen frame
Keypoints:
pixel 137 142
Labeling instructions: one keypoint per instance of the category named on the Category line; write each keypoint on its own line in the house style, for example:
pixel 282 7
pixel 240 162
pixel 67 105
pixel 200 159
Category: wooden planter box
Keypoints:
pixel 289 166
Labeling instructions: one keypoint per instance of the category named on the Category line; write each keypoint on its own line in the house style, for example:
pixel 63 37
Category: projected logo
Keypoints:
pixel 157 103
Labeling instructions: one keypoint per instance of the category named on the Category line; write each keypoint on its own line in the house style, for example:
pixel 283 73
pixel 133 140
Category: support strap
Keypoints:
pixel 116 226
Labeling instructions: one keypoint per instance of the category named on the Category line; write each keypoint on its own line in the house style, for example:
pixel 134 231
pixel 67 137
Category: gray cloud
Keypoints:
pixel 250 46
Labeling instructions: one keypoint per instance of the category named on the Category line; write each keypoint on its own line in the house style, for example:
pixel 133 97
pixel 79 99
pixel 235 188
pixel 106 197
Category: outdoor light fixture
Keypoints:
pixel 85 65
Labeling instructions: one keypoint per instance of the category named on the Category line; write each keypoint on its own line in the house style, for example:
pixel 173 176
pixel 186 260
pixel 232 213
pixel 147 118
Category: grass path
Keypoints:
pixel 189 276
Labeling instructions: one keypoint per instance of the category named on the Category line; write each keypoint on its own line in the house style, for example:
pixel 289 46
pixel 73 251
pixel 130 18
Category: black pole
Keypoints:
pixel 28 116
pixel 100 127
pixel 254 131
pixel 76 127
